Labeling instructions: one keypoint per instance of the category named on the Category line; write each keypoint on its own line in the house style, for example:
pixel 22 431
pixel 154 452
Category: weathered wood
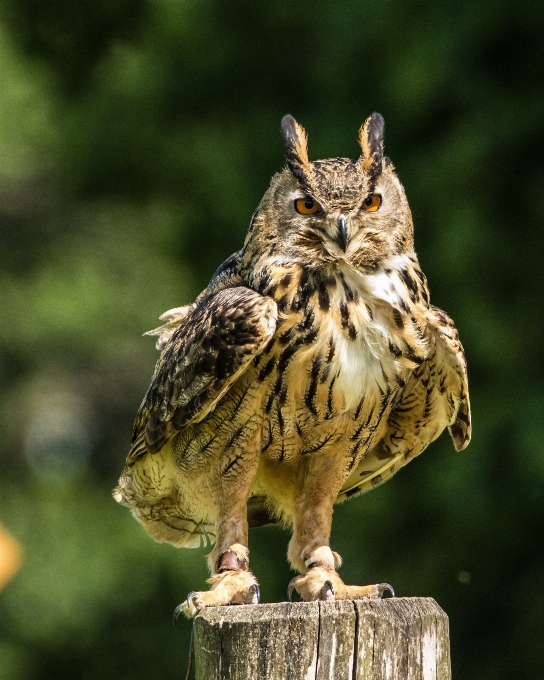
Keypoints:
pixel 392 639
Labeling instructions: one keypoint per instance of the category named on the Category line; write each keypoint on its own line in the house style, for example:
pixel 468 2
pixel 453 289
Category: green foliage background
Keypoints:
pixel 136 139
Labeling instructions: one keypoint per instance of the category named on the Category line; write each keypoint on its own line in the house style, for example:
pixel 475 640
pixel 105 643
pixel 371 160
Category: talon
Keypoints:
pixel 382 587
pixel 175 615
pixel 291 587
pixel 253 594
pixel 189 600
pixel 327 592
pixel 188 605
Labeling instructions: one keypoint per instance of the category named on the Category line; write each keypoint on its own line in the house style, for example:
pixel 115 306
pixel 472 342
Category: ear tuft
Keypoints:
pixel 296 148
pixel 371 141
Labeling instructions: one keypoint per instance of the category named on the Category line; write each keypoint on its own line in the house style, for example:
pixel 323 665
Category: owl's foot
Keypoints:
pixel 234 584
pixel 321 583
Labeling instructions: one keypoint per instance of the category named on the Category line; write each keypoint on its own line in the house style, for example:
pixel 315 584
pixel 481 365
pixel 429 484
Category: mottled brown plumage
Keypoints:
pixel 311 369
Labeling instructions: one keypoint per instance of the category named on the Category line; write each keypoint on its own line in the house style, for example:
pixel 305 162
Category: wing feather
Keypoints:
pixel 435 397
pixel 213 343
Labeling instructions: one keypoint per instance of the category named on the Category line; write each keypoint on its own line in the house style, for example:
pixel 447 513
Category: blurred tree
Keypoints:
pixel 136 139
pixel 73 38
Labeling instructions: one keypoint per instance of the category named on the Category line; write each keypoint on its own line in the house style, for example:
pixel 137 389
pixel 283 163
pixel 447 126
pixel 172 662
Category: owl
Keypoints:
pixel 310 370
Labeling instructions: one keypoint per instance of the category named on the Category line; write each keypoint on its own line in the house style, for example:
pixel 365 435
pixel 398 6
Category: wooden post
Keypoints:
pixel 394 639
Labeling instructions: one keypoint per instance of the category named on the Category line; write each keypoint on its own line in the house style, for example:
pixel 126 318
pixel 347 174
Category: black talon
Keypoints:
pixel 252 591
pixel 175 615
pixel 327 592
pixel 189 599
pixel 179 608
pixel 291 587
pixel 382 587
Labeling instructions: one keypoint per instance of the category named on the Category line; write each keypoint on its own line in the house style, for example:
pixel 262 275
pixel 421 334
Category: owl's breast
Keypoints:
pixel 348 361
pixel 339 357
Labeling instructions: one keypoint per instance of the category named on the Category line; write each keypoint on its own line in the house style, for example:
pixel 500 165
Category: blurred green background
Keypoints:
pixel 136 138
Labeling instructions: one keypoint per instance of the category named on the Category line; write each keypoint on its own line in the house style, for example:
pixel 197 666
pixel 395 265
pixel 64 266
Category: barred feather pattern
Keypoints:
pixel 311 369
pixel 360 367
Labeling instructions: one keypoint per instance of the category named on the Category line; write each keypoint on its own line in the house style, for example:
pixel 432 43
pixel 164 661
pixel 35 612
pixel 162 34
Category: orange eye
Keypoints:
pixel 306 206
pixel 372 203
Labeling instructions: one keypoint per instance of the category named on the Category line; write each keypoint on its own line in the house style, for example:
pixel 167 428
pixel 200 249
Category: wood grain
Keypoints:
pixel 392 639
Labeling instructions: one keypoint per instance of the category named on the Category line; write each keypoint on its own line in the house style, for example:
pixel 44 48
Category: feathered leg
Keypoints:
pixel 231 581
pixel 309 551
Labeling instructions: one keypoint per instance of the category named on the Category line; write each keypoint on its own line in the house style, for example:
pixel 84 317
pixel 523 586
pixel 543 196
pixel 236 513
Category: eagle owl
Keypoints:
pixel 311 369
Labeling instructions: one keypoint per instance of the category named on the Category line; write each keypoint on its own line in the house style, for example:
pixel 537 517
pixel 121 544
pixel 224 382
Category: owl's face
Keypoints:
pixel 336 210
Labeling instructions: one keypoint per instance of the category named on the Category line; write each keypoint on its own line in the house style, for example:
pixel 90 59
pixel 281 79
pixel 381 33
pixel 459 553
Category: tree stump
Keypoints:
pixel 394 639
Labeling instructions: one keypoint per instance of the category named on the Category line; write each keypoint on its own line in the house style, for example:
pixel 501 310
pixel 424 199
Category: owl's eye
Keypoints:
pixel 307 206
pixel 372 203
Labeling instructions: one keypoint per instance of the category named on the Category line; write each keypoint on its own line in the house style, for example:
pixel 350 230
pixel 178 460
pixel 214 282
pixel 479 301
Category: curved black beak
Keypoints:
pixel 342 233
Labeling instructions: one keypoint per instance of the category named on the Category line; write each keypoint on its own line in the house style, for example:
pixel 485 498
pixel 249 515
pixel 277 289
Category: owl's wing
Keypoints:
pixel 212 345
pixel 226 275
pixel 435 397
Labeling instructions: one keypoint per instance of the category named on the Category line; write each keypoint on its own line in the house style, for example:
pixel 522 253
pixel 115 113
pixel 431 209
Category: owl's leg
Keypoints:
pixel 231 581
pixel 309 551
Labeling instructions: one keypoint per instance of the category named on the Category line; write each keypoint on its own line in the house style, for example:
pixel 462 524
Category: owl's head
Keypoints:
pixel 334 210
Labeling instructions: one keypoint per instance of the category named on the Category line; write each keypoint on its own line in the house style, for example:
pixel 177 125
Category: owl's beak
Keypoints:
pixel 342 233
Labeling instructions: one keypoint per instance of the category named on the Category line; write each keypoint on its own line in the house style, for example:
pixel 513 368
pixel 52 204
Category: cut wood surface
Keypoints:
pixel 394 639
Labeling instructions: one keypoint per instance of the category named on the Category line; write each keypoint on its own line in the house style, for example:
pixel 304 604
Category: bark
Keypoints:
pixel 392 639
